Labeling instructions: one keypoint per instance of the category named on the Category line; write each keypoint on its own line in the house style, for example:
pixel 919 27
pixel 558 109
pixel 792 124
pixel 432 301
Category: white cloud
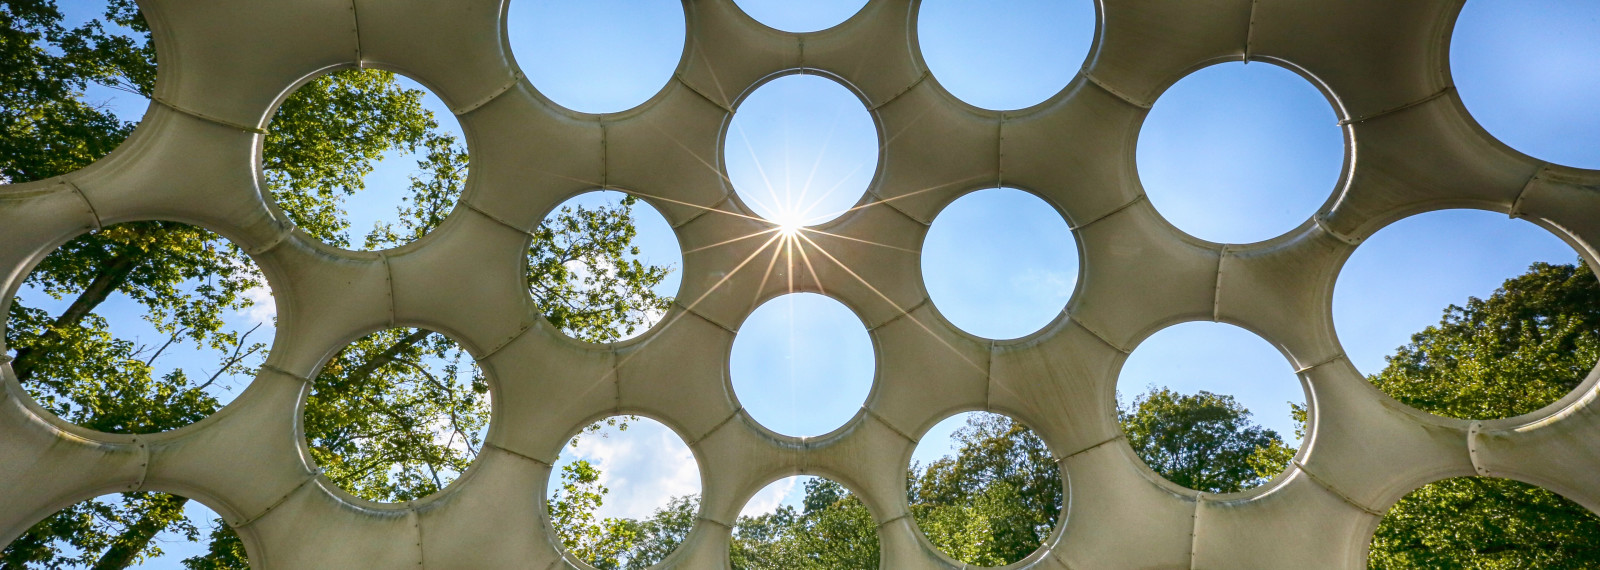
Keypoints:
pixel 770 498
pixel 263 308
pixel 643 467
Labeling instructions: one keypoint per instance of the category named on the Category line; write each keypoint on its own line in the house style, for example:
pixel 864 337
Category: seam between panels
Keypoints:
pixel 1516 204
pixel 1113 91
pixel 685 82
pixel 616 380
pixel 355 28
pixel 280 500
pixel 416 523
pixel 702 210
pixel 1216 289
pixel 1098 335
pixel 893 520
pixel 1322 224
pixel 871 413
pixel 889 203
pixel 1090 448
pixel 1114 211
pixel 904 90
pixel 94 214
pixel 508 451
pixel 388 278
pixel 988 378
pixel 283 235
pixel 1194 530
pixel 516 77
pixel 1331 489
pixel 605 153
pixel 692 311
pixel 521 330
pixel 1250 31
pixel 715 522
pixel 494 218
pixel 204 117
pixel 144 462
pixel 715 428
pixel 1473 429
pixel 904 313
pixel 272 368
pixel 1397 109
pixel 1055 553
pixel 1000 152
pixel 1319 364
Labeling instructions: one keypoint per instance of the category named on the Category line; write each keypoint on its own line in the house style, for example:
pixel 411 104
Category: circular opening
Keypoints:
pixel 805 522
pixel 1000 263
pixel 629 493
pixel 142 327
pixel 597 56
pixel 142 529
pixel 801 17
pixel 801 150
pixel 802 364
pixel 1211 407
pixel 984 489
pixel 367 132
pixel 397 415
pixel 603 266
pixel 1468 314
pixel 1238 153
pixel 1043 45
pixel 1525 70
pixel 86 73
pixel 1485 522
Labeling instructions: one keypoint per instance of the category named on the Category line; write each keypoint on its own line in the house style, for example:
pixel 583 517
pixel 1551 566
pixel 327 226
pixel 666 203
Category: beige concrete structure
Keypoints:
pixel 225 64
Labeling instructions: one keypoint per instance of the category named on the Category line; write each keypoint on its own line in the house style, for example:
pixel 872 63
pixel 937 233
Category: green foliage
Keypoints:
pixel 1528 344
pixel 996 500
pixel 1485 523
pixel 225 551
pixel 327 136
pixel 834 532
pixel 100 534
pixel 580 275
pixel 600 542
pixel 46 128
pixel 657 536
pixel 1205 441
pixel 396 415
pixel 390 427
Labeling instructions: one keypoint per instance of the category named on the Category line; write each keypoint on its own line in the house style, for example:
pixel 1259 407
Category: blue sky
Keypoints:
pixel 1234 153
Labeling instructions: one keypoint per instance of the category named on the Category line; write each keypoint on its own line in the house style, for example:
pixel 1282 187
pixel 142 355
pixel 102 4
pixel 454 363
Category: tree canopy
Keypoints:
pixel 391 417
pixel 1528 344
pixel 1204 441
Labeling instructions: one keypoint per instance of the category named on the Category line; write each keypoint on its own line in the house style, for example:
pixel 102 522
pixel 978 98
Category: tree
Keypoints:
pixel 361 417
pixel 996 500
pixel 1530 343
pixel 834 532
pixel 600 542
pixel 1205 442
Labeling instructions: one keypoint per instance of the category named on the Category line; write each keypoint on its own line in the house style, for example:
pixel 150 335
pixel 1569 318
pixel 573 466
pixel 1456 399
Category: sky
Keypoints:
pixel 1233 153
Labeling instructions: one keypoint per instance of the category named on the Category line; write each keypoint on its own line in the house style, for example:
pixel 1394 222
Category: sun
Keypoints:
pixel 789 223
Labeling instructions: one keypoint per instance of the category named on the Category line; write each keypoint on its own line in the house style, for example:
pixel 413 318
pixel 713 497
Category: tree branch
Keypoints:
pixel 112 275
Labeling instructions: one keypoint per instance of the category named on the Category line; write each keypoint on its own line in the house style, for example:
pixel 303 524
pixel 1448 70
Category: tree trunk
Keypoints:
pixel 111 276
pixel 134 540
pixel 388 354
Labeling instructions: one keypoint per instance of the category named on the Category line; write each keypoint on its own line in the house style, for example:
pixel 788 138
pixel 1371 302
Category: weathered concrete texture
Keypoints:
pixel 1411 147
